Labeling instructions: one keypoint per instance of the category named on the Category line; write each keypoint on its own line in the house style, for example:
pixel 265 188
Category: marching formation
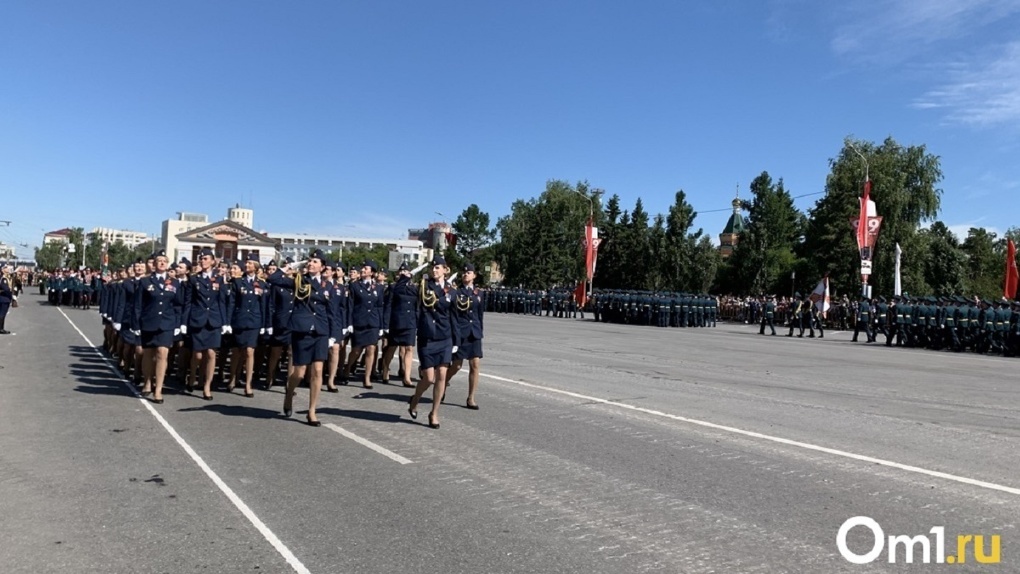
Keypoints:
pixel 951 323
pixel 195 320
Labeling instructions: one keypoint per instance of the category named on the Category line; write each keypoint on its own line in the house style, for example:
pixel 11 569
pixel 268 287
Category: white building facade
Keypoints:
pixel 129 238
pixel 299 245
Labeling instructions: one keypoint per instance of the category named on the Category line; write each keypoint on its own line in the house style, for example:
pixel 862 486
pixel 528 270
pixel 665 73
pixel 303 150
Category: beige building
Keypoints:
pixel 173 227
pixel 129 238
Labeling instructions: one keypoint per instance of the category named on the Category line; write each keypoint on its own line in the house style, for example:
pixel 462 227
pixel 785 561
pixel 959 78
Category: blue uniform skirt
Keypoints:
pixel 308 348
pixel 280 338
pixel 364 337
pixel 470 349
pixel 247 338
pixel 153 339
pixel 129 338
pixel 434 353
pixel 403 337
pixel 205 338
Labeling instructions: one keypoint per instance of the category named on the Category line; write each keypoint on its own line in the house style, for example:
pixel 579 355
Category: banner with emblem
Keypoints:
pixel 820 296
pixel 1012 276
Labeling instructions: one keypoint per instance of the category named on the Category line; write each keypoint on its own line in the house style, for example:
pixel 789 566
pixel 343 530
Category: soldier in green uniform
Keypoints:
pixel 863 321
pixel 769 316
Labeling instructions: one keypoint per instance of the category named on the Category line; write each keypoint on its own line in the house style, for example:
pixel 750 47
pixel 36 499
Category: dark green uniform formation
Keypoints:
pixel 556 302
pixel 942 323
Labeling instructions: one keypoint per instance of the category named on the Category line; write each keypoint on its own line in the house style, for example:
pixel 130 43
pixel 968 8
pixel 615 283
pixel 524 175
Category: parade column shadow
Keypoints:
pixel 94 374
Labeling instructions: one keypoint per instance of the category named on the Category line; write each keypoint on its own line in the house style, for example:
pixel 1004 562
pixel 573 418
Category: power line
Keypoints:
pixel 731 209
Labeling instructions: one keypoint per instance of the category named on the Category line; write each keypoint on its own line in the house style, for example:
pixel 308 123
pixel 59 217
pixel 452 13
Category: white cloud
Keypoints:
pixel 886 32
pixel 984 94
pixel 961 230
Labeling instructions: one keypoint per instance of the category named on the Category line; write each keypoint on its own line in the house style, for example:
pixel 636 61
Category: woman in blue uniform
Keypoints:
pixel 281 303
pixel 468 315
pixel 367 310
pixel 158 303
pixel 6 298
pixel 437 340
pixel 205 319
pixel 402 303
pixel 341 311
pixel 249 318
pixel 310 324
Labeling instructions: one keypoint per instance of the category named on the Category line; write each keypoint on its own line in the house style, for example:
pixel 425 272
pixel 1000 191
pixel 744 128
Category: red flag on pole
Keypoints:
pixel 589 250
pixel 862 219
pixel 1012 277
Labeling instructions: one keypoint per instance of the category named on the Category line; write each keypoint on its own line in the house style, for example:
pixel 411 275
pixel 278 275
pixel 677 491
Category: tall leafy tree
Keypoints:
pixel 984 266
pixel 540 241
pixel 944 262
pixel 765 256
pixel 678 264
pixel 905 190
pixel 473 233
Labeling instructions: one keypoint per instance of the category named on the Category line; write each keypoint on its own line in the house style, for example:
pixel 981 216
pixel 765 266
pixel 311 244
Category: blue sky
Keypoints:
pixel 368 118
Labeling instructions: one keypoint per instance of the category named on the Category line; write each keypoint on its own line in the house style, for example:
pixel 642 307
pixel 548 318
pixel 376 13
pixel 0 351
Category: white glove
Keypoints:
pixel 381 332
pixel 137 333
pixel 269 331
pixel 349 330
pixel 386 331
pixel 116 326
pixel 184 329
pixel 332 341
pixel 224 329
pixel 177 331
pixel 455 349
pixel 262 331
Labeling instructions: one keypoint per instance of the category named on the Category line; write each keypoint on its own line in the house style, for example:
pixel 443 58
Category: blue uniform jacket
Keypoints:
pixel 402 297
pixel 435 323
pixel 341 303
pixel 250 308
pixel 313 314
pixel 468 313
pixel 206 304
pixel 158 303
pixel 368 305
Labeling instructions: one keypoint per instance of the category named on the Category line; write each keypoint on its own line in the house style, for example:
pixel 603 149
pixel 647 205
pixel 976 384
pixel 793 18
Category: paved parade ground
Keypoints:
pixel 598 448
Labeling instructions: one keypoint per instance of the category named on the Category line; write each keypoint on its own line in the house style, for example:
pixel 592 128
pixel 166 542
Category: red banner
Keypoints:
pixel 870 237
pixel 862 219
pixel 1012 277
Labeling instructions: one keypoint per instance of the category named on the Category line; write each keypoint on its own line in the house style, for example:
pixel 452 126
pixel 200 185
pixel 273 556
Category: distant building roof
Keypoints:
pixel 61 232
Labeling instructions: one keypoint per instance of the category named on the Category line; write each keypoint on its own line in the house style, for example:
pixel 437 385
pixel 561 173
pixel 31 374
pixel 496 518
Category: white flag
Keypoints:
pixel 820 296
pixel 897 288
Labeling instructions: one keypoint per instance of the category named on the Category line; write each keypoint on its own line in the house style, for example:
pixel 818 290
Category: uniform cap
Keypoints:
pixel 468 267
pixel 438 260
pixel 370 264
pixel 206 252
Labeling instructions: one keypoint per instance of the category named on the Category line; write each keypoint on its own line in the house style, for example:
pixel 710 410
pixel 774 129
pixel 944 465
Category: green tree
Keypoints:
pixel 704 266
pixel 765 257
pixel 906 193
pixel 540 240
pixel 983 267
pixel 678 263
pixel 944 262
pixel 50 256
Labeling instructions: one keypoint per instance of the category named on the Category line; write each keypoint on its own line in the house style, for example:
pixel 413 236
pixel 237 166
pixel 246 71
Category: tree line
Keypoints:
pixel 781 250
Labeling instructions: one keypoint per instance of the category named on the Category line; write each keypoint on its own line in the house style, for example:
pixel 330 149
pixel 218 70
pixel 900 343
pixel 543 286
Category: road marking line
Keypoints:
pixel 245 510
pixel 780 440
pixel 365 442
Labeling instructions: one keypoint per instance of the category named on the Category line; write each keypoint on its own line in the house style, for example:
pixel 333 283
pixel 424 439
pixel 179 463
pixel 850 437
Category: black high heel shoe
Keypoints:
pixel 332 390
pixel 312 423
pixel 411 410
pixel 249 395
pixel 473 407
pixel 433 425
pixel 157 401
pixel 206 397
